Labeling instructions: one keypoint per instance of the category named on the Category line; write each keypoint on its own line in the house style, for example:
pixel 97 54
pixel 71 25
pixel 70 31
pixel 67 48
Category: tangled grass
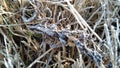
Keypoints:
pixel 59 34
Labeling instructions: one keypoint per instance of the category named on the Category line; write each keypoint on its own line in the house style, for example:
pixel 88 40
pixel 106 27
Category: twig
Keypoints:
pixel 80 20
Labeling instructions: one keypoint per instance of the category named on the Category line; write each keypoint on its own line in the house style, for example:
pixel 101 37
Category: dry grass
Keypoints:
pixel 59 34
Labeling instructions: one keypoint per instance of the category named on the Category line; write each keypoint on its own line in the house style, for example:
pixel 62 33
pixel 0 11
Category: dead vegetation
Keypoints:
pixel 59 33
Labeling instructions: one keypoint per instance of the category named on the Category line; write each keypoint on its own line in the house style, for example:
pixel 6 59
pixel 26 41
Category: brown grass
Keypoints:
pixel 59 34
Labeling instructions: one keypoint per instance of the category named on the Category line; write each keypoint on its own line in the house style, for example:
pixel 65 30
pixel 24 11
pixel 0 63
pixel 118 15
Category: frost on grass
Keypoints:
pixel 59 34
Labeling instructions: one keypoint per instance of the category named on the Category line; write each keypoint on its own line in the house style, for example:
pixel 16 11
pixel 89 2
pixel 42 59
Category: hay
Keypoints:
pixel 59 34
